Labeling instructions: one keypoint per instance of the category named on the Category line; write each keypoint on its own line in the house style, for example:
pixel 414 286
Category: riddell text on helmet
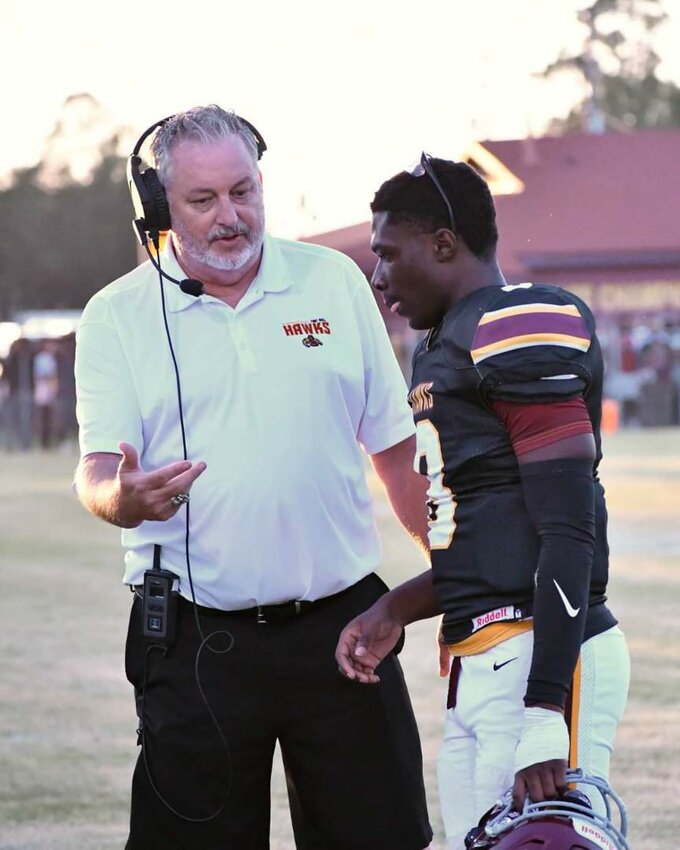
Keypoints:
pixel 593 834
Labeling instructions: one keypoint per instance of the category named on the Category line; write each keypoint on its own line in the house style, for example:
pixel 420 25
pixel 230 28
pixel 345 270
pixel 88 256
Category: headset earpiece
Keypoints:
pixel 148 198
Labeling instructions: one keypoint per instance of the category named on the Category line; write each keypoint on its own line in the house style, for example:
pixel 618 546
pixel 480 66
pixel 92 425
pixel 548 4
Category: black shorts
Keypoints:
pixel 351 752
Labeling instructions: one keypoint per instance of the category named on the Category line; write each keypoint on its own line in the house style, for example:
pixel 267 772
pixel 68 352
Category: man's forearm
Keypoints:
pixel 406 489
pixel 98 489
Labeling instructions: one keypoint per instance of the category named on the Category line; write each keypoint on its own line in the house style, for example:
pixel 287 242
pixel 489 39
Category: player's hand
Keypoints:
pixel 541 755
pixel 365 641
pixel 444 656
pixel 545 780
pixel 148 495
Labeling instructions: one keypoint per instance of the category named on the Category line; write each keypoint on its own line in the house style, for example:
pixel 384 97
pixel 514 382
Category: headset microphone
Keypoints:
pixel 191 287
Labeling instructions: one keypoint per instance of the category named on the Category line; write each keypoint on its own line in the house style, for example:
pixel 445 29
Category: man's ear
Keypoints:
pixel 445 245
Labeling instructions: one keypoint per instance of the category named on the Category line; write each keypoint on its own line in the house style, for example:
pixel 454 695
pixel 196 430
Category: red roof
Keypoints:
pixel 604 203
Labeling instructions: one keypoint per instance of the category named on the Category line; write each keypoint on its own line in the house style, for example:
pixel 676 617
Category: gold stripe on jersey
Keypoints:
pixel 489 636
pixel 522 309
pixel 528 340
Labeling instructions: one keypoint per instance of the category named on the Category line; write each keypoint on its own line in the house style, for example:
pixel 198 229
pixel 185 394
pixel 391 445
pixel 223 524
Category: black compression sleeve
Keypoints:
pixel 560 501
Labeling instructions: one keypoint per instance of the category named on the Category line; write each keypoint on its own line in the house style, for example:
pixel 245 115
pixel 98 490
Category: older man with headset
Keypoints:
pixel 227 392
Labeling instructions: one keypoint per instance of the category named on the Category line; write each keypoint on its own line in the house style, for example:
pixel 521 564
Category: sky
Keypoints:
pixel 345 93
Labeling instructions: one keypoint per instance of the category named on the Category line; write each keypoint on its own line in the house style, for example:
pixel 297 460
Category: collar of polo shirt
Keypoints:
pixel 272 276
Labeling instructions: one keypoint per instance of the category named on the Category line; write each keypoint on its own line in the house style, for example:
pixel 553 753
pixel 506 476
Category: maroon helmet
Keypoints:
pixel 568 823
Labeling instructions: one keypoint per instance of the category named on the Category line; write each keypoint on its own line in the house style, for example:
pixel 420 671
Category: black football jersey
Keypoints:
pixel 531 343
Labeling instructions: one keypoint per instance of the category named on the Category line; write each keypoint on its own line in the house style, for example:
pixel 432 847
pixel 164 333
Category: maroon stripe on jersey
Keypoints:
pixel 510 327
pixel 532 426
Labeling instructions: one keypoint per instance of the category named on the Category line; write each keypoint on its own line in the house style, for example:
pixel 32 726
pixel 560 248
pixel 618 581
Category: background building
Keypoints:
pixel 600 215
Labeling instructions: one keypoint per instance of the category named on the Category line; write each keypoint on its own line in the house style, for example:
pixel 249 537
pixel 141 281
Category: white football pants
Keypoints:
pixel 475 765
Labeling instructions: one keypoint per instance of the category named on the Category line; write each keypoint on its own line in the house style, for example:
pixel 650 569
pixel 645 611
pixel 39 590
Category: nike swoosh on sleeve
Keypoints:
pixel 568 606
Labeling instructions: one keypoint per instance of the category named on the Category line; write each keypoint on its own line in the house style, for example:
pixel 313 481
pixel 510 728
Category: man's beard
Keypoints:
pixel 202 250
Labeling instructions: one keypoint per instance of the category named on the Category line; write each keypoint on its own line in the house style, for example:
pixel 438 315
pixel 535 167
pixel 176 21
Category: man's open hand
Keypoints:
pixel 148 495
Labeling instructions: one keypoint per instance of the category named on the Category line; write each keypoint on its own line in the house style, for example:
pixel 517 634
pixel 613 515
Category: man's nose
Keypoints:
pixel 226 212
pixel 377 281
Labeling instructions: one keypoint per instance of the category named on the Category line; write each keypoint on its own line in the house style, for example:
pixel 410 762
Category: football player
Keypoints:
pixel 506 394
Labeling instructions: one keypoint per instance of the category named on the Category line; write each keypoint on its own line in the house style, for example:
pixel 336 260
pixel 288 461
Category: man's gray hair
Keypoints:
pixel 201 124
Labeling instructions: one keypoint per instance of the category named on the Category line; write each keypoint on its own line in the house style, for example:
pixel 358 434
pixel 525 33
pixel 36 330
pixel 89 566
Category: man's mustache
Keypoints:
pixel 229 232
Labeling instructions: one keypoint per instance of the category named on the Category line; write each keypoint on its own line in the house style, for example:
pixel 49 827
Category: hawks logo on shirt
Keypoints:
pixel 420 397
pixel 312 326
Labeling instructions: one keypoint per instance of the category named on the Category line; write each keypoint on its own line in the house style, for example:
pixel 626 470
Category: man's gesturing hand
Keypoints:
pixel 148 495
pixel 365 641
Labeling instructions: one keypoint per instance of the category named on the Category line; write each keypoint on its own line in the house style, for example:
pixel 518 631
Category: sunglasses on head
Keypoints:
pixel 426 166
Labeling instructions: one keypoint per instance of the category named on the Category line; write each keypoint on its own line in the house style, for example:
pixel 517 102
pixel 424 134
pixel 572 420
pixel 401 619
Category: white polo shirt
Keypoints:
pixel 279 395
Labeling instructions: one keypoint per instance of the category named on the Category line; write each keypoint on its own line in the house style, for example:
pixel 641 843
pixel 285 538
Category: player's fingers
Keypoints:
pixel 559 767
pixel 551 775
pixel 343 656
pixel 365 660
pixel 544 780
pixel 519 792
pixel 348 664
pixel 366 677
pixel 357 673
pixel 344 651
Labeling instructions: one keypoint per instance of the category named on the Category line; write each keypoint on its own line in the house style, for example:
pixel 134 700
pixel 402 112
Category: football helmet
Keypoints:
pixel 568 823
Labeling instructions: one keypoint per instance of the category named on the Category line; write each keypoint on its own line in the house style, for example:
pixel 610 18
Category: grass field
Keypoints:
pixel 67 723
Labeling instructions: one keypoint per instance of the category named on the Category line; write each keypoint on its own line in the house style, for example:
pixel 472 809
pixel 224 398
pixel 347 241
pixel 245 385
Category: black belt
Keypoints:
pixel 263 614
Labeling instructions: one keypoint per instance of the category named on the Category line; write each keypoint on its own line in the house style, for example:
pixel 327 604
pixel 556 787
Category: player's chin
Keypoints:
pixel 417 322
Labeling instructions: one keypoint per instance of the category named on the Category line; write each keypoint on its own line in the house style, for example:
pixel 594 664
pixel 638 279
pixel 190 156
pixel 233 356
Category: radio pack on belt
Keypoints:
pixel 159 602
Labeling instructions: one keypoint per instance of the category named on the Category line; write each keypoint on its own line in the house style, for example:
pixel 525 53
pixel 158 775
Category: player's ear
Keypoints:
pixel 445 245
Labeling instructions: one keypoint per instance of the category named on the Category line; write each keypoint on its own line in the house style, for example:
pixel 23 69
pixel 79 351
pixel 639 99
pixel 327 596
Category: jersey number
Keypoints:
pixel 440 503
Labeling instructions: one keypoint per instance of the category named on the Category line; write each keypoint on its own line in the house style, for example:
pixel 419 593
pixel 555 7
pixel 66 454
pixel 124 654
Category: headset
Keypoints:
pixel 148 195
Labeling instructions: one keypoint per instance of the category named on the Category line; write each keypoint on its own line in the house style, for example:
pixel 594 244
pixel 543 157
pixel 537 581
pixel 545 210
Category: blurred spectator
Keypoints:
pixel 675 378
pixel 18 376
pixel 67 426
pixel 45 392
pixel 657 394
pixel 642 372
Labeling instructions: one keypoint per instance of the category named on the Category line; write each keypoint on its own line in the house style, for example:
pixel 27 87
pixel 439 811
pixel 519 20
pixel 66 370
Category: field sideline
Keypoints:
pixel 67 723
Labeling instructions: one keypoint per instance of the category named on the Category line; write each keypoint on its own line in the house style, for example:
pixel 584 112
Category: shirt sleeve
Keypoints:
pixel 387 418
pixel 107 407
pixel 532 346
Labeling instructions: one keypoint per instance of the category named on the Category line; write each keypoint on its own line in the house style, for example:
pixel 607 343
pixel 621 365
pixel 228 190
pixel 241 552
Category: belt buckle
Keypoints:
pixel 292 609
